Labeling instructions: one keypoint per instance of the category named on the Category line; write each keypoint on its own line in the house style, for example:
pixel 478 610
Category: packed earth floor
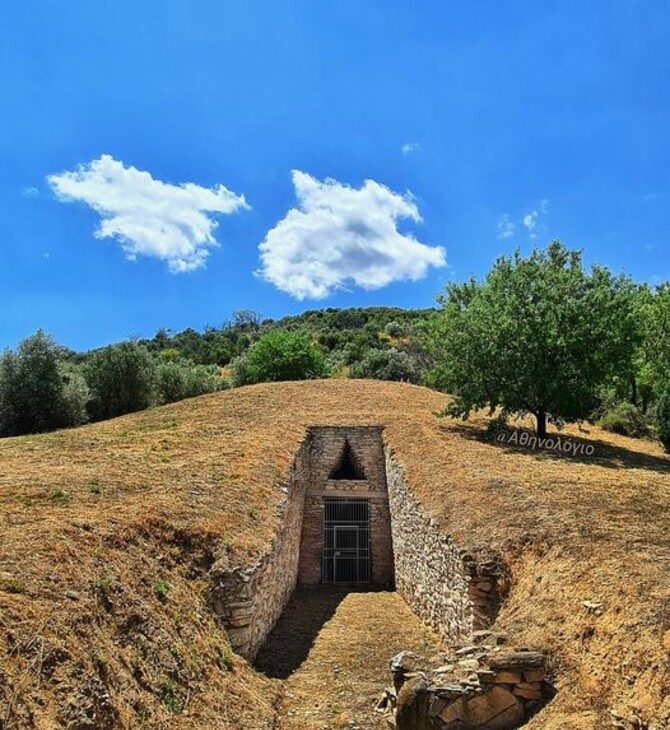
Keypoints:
pixel 331 650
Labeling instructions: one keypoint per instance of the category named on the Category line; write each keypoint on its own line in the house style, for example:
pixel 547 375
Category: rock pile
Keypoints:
pixel 480 686
pixel 488 584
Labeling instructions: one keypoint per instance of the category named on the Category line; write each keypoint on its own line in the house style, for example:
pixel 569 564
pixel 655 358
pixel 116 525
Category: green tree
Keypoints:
pixel 178 378
pixel 540 335
pixel 76 394
pixel 121 379
pixel 387 364
pixel 663 417
pixel 280 355
pixel 31 388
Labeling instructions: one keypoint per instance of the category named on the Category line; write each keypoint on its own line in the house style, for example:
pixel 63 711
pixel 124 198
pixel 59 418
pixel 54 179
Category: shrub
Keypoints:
pixel 170 381
pixel 389 364
pixel 394 329
pixel 121 378
pixel 625 419
pixel 31 388
pixel 76 396
pixel 280 355
pixel 662 418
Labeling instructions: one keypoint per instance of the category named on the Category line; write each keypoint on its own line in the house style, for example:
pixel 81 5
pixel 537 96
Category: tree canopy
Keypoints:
pixel 281 355
pixel 539 335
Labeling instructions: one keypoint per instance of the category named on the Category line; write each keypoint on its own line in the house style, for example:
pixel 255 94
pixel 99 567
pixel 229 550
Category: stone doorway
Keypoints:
pixel 346 527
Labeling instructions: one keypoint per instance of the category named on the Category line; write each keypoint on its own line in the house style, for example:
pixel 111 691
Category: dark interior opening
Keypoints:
pixel 346 542
pixel 348 466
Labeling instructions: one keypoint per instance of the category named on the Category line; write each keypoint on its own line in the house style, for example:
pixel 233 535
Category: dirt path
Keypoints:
pixel 333 650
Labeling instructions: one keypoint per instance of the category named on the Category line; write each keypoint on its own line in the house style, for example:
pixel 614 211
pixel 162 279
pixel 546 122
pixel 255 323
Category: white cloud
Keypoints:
pixel 30 192
pixel 149 217
pixel 410 147
pixel 506 227
pixel 339 234
pixel 530 221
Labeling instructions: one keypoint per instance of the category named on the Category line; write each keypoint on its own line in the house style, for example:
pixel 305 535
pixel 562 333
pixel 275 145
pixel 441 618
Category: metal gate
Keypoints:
pixel 346 541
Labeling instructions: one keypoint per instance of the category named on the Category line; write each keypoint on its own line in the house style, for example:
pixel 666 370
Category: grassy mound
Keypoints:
pixel 109 532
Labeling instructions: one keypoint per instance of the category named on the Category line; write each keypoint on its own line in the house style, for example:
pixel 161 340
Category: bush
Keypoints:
pixel 280 355
pixel 394 329
pixel 76 395
pixel 389 364
pixel 178 379
pixel 662 418
pixel 31 388
pixel 121 378
pixel 625 419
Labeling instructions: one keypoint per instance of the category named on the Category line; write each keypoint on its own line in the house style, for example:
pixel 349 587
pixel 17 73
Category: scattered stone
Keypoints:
pixel 72 595
pixel 504 689
pixel 593 607
pixel 467 650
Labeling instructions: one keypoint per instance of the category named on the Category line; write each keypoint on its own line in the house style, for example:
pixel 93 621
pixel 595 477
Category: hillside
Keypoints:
pixel 110 531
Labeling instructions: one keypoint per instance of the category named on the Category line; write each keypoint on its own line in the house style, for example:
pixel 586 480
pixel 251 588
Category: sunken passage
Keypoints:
pixel 347 520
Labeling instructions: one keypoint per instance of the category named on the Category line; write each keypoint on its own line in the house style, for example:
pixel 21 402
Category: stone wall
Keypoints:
pixel 451 591
pixel 430 572
pixel 250 599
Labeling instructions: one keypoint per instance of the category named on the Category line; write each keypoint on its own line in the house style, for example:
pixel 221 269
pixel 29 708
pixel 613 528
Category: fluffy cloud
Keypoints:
pixel 340 234
pixel 149 217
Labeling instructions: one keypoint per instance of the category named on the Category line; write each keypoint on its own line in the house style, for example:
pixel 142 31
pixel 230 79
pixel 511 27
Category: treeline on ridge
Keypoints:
pixel 538 335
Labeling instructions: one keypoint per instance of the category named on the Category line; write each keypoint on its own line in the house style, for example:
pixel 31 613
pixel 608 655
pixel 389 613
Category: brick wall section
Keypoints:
pixel 325 447
pixel 429 570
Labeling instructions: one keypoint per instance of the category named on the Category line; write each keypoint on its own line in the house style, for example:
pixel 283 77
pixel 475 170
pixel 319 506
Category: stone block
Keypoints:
pixel 496 709
pixel 505 677
pixel 527 694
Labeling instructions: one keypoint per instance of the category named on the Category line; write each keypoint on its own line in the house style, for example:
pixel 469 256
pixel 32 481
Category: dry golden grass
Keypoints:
pixel 340 682
pixel 127 516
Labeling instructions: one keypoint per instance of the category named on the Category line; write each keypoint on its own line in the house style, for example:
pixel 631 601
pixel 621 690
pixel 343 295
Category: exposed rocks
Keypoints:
pixel 475 687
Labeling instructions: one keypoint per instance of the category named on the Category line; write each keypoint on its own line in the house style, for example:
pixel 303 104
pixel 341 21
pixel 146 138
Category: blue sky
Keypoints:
pixel 480 127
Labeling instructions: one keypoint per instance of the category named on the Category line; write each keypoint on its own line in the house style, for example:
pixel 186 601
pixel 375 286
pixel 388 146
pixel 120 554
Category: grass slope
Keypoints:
pixel 109 532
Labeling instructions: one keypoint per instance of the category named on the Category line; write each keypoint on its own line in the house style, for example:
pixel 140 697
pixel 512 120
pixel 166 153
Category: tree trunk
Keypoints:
pixel 634 391
pixel 541 416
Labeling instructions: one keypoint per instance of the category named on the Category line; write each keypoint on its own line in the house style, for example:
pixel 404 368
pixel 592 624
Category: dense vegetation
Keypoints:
pixel 539 335
pixel 44 386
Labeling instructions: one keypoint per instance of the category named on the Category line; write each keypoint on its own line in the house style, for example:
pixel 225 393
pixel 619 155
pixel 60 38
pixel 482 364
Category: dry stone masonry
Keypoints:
pixel 250 599
pixel 429 568
pixel 350 471
pixel 478 687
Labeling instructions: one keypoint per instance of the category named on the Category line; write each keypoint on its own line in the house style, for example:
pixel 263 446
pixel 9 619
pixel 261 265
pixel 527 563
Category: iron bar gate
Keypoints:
pixel 346 541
